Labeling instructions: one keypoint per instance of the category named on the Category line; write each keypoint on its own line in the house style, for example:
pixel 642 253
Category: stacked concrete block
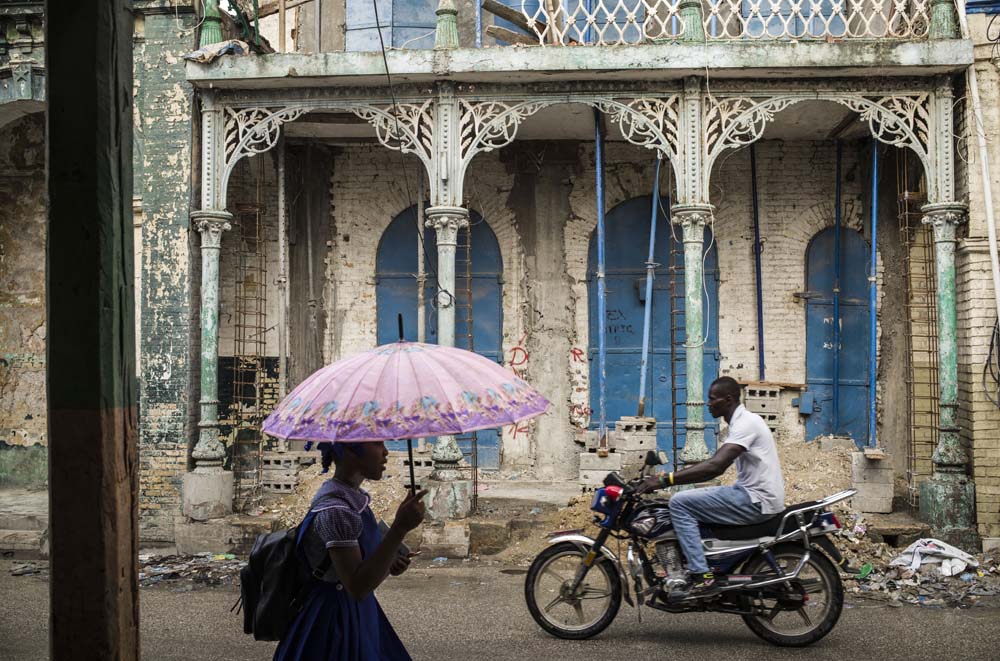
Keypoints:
pixel 765 401
pixel 279 474
pixel 873 479
pixel 594 467
pixel 399 466
pixel 633 438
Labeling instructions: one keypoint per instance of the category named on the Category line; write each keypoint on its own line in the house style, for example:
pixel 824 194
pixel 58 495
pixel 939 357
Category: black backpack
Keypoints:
pixel 276 581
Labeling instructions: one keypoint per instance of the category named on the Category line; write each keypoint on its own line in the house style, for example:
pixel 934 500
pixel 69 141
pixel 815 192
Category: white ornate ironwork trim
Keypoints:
pixel 603 22
pixel 898 120
pixel 817 19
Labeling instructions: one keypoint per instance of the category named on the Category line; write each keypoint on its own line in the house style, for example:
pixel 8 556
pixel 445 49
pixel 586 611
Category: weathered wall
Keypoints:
pixel 22 301
pixel 979 418
pixel 542 210
pixel 169 331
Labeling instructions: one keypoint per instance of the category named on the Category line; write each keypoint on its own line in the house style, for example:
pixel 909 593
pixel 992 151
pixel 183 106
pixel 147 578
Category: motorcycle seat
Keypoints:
pixel 767 528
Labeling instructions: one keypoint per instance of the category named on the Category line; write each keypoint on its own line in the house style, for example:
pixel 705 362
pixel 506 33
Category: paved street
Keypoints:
pixel 477 612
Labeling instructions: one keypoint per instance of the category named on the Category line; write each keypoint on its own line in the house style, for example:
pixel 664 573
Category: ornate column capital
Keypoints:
pixel 211 223
pixel 446 221
pixel 944 217
pixel 692 217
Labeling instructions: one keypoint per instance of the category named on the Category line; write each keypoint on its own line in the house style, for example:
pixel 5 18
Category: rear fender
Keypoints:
pixel 585 543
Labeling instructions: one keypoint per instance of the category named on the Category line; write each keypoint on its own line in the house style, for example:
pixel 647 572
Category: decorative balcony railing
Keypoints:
pixel 614 22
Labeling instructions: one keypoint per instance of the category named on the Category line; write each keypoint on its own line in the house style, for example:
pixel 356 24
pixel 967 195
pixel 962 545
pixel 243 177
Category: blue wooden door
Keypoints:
pixel 851 416
pixel 626 249
pixel 396 293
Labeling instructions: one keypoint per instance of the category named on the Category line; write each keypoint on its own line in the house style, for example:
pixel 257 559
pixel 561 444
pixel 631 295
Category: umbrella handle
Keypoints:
pixel 399 320
pixel 409 449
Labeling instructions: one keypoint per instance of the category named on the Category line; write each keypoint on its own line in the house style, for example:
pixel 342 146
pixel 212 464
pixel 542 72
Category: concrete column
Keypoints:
pixel 947 499
pixel 446 221
pixel 92 452
pixel 693 218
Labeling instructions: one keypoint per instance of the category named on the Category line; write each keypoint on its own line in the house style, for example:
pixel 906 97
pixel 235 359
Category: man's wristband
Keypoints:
pixel 667 480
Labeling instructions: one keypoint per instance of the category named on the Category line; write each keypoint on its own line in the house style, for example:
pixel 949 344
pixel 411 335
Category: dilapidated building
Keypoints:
pixel 811 172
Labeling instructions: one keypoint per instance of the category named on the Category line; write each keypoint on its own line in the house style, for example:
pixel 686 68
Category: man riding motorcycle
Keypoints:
pixel 759 492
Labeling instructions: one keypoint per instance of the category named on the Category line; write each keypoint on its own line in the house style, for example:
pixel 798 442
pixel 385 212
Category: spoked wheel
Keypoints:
pixel 565 612
pixel 803 610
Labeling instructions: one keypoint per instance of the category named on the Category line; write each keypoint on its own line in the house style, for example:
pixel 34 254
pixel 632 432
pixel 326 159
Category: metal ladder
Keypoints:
pixel 678 355
pixel 249 350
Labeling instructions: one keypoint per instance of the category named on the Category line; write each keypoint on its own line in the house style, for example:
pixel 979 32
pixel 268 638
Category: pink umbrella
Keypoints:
pixel 404 390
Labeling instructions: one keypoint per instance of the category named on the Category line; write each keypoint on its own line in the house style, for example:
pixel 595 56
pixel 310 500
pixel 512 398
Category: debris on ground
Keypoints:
pixel 883 572
pixel 184 573
pixel 29 569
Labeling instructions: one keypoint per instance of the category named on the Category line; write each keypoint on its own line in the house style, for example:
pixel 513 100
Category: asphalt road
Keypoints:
pixel 468 611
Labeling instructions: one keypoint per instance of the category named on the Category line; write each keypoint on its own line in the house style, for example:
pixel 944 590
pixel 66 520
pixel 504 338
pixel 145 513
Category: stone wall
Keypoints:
pixel 170 266
pixel 22 301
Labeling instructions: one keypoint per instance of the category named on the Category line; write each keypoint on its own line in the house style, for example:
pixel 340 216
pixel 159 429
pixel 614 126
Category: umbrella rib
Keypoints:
pixel 441 387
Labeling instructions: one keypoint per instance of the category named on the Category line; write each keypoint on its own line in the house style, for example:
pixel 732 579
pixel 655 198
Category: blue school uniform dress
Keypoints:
pixel 332 624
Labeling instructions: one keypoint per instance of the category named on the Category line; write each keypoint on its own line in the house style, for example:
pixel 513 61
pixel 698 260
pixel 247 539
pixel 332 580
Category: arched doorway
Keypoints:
pixel 627 245
pixel 478 276
pixel 850 415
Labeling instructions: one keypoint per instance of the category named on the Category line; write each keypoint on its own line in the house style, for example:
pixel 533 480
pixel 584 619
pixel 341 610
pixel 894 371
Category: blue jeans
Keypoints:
pixel 723 505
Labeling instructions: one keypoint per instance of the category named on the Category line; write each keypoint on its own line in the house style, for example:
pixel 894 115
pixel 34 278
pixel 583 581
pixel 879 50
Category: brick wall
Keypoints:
pixel 979 418
pixel 22 300
pixel 169 330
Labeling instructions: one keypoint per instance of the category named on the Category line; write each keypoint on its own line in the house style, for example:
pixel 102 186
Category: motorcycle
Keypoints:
pixel 781 576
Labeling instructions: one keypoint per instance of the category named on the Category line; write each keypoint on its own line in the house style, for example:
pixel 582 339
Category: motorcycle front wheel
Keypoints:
pixel 805 609
pixel 566 613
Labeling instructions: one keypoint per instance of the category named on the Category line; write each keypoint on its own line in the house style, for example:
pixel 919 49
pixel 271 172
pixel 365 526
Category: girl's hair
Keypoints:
pixel 334 452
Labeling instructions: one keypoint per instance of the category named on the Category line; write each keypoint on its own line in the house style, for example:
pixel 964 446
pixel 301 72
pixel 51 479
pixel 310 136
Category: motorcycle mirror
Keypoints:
pixel 652 459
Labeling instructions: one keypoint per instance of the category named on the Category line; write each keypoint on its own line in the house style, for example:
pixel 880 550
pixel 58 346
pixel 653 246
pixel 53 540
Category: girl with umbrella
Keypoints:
pixel 341 618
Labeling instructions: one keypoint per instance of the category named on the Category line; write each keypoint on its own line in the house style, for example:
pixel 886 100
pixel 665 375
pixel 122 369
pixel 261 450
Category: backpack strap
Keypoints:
pixel 324 565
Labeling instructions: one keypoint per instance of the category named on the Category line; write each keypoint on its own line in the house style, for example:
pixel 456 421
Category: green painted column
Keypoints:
pixel 209 453
pixel 693 218
pixel 446 32
pixel 211 25
pixel 944 20
pixel 694 23
pixel 948 498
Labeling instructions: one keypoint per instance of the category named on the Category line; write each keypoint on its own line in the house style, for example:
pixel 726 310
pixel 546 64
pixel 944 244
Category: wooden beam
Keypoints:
pixel 511 37
pixel 514 16
pixel 90 370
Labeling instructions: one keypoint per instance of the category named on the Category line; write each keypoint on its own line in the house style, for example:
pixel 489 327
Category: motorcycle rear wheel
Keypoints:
pixel 819 580
pixel 579 615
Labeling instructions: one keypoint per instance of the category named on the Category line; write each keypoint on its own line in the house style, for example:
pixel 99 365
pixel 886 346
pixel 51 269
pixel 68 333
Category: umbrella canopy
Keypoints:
pixel 404 390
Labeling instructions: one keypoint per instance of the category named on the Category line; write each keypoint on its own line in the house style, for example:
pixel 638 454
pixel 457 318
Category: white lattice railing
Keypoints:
pixel 603 22
pixel 816 19
pixel 614 22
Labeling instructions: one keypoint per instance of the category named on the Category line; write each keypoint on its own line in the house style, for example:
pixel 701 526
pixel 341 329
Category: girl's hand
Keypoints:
pixel 399 565
pixel 410 513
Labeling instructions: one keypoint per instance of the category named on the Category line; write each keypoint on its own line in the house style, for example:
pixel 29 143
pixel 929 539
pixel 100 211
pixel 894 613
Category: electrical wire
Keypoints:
pixel 992 366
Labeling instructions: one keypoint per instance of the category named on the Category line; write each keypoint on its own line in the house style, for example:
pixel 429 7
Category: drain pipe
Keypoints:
pixel 873 301
pixel 756 255
pixel 602 433
pixel 984 157
pixel 650 272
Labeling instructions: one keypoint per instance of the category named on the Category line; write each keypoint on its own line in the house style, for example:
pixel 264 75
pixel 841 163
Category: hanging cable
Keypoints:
pixel 992 367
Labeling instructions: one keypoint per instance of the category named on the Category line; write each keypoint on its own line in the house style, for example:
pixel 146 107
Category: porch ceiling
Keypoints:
pixel 756 59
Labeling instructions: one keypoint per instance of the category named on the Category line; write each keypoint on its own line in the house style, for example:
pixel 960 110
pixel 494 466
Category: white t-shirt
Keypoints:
pixel 757 470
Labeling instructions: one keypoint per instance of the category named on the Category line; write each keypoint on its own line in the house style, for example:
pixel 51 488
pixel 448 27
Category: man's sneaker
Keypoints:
pixel 698 585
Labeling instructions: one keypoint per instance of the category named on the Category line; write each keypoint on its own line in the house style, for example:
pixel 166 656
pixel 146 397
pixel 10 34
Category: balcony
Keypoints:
pixel 617 22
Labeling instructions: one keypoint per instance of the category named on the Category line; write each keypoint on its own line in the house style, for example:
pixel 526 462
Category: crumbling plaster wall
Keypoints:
pixel 22 299
pixel 168 387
